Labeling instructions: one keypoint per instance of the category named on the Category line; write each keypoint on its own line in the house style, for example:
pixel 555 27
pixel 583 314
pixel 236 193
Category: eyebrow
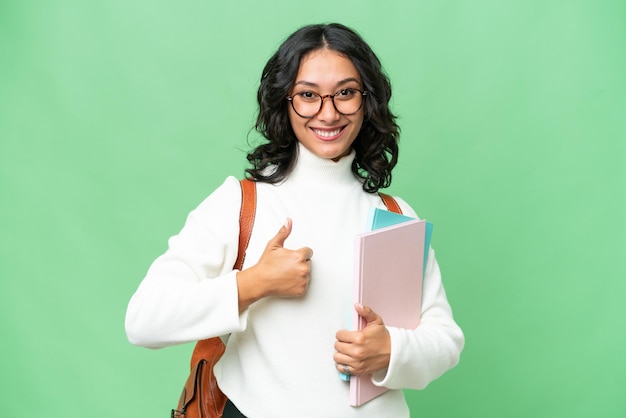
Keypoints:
pixel 339 83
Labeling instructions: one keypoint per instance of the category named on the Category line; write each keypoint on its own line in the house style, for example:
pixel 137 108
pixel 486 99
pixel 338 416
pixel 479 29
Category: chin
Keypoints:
pixel 332 154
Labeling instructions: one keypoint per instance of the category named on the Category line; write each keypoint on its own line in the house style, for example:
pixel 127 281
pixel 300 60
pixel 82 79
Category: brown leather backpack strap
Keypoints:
pixel 201 396
pixel 390 203
pixel 246 219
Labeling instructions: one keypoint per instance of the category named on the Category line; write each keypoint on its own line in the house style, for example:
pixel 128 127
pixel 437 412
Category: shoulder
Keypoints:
pixel 404 206
pixel 224 202
pixel 228 192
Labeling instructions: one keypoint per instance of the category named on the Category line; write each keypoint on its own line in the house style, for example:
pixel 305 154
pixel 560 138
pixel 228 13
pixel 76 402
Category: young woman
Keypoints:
pixel 331 145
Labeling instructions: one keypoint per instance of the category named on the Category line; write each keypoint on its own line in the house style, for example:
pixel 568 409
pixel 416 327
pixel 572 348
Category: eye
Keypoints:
pixel 346 94
pixel 307 96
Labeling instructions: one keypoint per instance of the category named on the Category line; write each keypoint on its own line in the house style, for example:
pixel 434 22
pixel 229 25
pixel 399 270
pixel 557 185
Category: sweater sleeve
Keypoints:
pixel 190 292
pixel 422 355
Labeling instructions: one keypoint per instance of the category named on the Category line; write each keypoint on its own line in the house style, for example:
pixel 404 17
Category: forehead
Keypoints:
pixel 326 67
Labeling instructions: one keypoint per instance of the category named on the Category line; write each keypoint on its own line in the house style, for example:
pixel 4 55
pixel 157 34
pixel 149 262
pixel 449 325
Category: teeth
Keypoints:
pixel 327 134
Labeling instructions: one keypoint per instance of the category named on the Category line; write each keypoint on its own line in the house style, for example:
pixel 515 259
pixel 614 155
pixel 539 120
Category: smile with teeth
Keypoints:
pixel 327 133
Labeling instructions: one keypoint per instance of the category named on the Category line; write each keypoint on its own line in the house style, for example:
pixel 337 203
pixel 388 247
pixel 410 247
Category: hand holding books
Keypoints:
pixel 365 351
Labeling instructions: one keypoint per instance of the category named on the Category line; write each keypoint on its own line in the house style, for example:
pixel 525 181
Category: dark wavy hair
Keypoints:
pixel 376 145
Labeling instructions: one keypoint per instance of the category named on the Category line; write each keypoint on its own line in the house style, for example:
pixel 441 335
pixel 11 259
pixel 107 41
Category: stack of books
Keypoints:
pixel 389 264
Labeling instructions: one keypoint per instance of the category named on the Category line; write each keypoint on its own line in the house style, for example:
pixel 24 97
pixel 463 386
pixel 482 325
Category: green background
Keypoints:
pixel 118 117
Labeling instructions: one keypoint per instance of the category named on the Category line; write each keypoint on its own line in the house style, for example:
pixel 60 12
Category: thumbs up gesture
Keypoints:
pixel 280 271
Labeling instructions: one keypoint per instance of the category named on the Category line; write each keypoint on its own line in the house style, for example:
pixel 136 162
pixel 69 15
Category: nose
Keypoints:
pixel 328 112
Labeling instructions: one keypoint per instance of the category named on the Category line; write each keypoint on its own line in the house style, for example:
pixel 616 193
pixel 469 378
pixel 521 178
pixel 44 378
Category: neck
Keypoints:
pixel 317 172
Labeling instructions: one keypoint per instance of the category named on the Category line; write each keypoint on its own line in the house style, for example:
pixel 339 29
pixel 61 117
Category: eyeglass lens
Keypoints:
pixel 347 102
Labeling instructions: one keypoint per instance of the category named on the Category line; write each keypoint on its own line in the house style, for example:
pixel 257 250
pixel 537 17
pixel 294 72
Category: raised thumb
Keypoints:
pixel 283 233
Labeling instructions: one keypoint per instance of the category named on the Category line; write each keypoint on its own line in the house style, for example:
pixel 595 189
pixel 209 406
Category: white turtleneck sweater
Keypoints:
pixel 279 357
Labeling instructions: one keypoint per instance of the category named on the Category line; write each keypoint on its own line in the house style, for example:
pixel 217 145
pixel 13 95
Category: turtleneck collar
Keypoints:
pixel 321 172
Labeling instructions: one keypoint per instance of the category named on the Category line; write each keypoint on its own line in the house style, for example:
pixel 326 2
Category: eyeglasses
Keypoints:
pixel 307 104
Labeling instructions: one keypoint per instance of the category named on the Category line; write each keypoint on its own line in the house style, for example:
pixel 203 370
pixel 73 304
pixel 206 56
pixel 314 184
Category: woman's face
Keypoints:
pixel 329 134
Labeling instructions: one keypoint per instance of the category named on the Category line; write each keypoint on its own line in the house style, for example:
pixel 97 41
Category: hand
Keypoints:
pixel 366 351
pixel 280 272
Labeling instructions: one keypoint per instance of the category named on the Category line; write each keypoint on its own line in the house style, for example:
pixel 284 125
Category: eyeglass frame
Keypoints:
pixel 364 93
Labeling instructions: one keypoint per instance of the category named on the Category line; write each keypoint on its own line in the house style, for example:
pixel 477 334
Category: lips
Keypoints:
pixel 328 134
